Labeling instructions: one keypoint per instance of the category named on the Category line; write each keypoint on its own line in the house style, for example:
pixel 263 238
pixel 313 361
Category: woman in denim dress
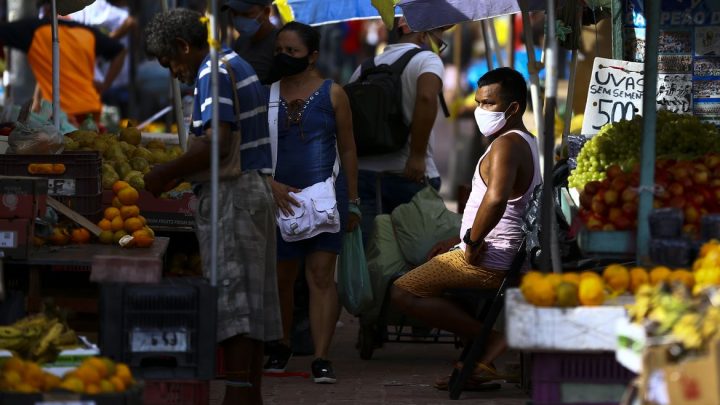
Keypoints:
pixel 314 128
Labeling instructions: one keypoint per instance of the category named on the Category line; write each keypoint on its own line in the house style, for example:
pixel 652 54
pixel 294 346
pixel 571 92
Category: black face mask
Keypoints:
pixel 286 65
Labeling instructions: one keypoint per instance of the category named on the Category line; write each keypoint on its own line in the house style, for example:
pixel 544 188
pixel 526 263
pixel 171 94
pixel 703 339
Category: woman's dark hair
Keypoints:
pixel 164 28
pixel 308 35
pixel 512 85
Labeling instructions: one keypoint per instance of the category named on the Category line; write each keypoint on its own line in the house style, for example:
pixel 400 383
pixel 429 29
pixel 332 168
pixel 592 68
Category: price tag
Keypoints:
pixel 615 93
pixel 65 187
pixel 8 239
pixel 159 340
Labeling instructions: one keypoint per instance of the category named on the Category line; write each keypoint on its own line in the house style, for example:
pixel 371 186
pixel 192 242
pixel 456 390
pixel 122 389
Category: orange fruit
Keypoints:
pixel 118 235
pixel 682 276
pixel 92 389
pixel 592 291
pixel 73 384
pixel 106 237
pixel 572 278
pixel 111 212
pixel 122 371
pixel 540 292
pixel 80 235
pixel 659 274
pixel 117 224
pixel 143 238
pixel 554 279
pixel 118 383
pixel 142 218
pixel 129 211
pixel 51 381
pixel 97 364
pixel 133 224
pixel 119 185
pixel 11 378
pixel 104 224
pixel 116 203
pixel 638 277
pixel 128 196
pixel 107 386
pixel 14 364
pixel 617 277
pixel 88 374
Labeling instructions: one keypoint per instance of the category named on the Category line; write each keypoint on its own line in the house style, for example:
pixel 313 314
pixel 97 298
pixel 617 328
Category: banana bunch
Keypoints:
pixel 37 337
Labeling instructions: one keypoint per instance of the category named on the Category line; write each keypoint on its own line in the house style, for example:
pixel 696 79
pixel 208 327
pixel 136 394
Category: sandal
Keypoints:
pixel 478 381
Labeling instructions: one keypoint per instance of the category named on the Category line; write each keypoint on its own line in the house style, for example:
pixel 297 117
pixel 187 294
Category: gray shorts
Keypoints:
pixel 248 302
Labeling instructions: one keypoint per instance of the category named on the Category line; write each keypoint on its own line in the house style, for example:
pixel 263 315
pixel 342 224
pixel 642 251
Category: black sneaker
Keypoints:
pixel 278 359
pixel 323 372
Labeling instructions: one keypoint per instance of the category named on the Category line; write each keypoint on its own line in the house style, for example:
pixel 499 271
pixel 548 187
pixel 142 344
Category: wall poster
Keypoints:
pixel 689 54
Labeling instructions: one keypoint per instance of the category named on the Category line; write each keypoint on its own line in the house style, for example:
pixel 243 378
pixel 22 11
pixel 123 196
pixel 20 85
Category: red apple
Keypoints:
pixel 679 172
pixel 586 200
pixel 594 222
pixel 676 189
pixel 629 194
pixel 677 202
pixel 622 223
pixel 611 197
pixel 697 199
pixel 619 183
pixel 613 171
pixel 692 215
pixel 701 176
pixel 711 160
pixel 597 205
pixel 592 187
pixel 630 209
pixel 608 227
pixel 614 213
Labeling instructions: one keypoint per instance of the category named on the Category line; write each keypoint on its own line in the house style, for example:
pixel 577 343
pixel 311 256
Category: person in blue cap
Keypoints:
pixel 256 41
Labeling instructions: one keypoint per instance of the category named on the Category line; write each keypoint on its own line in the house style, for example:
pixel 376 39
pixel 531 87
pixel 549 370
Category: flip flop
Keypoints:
pixel 479 380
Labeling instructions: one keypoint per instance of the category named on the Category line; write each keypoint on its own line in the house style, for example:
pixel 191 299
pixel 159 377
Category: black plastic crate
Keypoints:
pixel 162 331
pixel 82 174
pixel 89 206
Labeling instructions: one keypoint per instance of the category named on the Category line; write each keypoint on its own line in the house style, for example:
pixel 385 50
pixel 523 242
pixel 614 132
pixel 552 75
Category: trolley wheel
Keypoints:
pixel 366 342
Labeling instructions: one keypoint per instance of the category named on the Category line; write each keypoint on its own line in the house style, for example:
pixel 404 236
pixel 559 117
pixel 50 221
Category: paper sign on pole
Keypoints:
pixel 615 93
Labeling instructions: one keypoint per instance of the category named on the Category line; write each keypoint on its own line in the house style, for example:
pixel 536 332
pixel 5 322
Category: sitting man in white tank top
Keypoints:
pixel 491 232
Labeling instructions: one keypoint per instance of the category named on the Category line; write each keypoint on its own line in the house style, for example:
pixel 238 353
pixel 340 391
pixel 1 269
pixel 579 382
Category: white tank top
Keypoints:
pixel 504 240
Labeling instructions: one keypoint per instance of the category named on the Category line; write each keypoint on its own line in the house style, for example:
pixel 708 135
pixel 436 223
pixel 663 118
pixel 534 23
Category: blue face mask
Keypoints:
pixel 247 27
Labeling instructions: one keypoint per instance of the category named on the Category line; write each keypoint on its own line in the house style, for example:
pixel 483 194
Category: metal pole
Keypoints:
pixel 177 101
pixel 533 68
pixel 570 97
pixel 495 44
pixel 488 46
pixel 214 145
pixel 647 162
pixel 55 67
pixel 548 144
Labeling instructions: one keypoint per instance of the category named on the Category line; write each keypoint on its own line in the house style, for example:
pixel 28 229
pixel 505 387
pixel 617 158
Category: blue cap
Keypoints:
pixel 243 5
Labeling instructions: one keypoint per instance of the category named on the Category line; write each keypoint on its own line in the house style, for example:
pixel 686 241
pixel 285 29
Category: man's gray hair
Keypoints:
pixel 164 28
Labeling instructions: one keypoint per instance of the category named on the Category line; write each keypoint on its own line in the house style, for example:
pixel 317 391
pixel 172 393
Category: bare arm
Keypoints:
pixel 504 161
pixel 195 160
pixel 114 70
pixel 129 24
pixel 423 119
pixel 37 99
pixel 345 139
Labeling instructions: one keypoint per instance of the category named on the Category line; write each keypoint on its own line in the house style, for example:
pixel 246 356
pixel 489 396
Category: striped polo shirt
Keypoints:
pixel 252 96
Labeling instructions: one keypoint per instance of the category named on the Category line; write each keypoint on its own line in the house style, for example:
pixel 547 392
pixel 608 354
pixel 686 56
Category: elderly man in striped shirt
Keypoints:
pixel 248 306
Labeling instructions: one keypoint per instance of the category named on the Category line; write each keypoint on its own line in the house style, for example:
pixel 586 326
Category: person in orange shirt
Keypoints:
pixel 79 46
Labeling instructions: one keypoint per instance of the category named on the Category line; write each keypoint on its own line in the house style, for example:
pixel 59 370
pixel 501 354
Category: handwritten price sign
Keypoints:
pixel 615 93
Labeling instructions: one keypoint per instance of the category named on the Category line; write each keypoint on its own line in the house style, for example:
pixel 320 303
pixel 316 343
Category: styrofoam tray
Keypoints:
pixel 562 329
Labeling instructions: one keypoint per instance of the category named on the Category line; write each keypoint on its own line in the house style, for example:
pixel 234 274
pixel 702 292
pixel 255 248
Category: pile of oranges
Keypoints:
pixel 94 375
pixel 123 219
pixel 589 288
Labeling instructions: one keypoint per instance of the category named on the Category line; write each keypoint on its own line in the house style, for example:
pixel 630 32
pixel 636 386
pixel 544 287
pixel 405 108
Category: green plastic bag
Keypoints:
pixel 354 288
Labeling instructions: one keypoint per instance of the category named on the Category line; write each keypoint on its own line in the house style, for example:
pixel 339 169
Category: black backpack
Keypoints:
pixel 376 104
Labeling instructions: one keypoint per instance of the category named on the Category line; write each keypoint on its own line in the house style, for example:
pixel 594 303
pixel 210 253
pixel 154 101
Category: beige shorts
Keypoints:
pixel 447 271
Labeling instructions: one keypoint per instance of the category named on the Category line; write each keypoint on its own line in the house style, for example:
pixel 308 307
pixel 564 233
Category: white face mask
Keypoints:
pixel 489 122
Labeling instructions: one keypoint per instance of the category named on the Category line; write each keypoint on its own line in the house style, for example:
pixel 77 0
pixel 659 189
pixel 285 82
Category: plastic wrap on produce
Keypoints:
pixel 575 144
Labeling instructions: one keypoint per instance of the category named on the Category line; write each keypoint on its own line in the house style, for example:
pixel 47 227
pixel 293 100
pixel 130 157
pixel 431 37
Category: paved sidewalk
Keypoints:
pixel 399 373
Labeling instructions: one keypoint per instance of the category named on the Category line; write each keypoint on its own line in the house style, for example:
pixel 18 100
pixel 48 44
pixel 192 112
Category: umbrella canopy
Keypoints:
pixel 318 12
pixel 423 15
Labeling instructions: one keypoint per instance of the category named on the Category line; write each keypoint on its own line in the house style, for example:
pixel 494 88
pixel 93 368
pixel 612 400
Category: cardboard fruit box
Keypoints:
pixel 163 212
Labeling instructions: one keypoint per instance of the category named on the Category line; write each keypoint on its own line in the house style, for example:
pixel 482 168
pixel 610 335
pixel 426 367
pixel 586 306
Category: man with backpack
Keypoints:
pixel 394 100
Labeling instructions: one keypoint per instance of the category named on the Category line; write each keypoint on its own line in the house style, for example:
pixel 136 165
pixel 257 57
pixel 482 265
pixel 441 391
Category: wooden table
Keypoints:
pixel 41 258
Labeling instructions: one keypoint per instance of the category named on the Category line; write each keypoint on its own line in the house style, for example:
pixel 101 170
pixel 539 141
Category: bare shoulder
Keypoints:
pixel 512 143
